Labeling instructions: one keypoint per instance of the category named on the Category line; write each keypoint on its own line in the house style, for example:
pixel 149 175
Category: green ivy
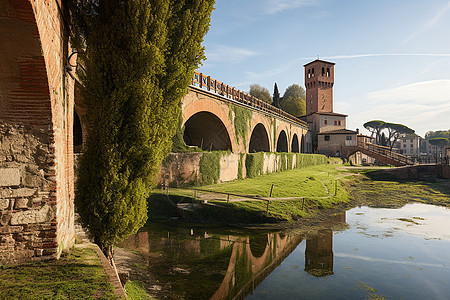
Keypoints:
pixel 241 158
pixel 210 166
pixel 242 121
pixel 254 164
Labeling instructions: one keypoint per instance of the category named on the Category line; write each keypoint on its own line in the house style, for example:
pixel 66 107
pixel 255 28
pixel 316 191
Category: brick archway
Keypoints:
pixel 36 116
pixel 206 105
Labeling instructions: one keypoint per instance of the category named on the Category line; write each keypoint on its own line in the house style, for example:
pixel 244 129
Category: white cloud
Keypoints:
pixel 422 106
pixel 427 26
pixel 222 53
pixel 425 92
pixel 276 6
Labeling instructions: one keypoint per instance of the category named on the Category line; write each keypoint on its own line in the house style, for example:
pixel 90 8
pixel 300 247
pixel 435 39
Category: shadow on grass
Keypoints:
pixel 163 207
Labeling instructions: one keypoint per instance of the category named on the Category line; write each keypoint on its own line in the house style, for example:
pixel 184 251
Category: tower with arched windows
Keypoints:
pixel 328 129
pixel 319 81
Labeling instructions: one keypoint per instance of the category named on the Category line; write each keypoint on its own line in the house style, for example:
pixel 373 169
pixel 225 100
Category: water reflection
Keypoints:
pixel 195 263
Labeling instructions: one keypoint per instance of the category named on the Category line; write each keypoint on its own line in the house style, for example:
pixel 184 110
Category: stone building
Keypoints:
pixel 36 122
pixel 328 129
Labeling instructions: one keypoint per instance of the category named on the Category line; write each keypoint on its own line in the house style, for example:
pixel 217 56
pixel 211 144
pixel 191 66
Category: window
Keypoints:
pixel 404 145
pixel 339 122
pixel 326 122
pixel 411 146
pixel 348 138
pixel 335 122
pixel 328 72
pixel 323 71
pixel 309 73
pixel 327 138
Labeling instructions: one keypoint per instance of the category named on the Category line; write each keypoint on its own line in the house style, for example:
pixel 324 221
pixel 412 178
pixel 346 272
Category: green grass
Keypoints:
pixel 303 182
pixel 76 275
pixel 136 290
pixel 312 189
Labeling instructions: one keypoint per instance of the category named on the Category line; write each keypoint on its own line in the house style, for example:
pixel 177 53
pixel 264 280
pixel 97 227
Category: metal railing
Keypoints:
pixel 384 151
pixel 231 93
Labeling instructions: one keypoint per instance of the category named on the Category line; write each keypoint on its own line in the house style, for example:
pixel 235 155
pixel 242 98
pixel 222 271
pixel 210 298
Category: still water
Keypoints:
pixel 364 253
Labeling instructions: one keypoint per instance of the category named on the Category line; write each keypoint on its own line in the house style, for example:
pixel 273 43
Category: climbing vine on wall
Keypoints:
pixel 242 121
pixel 254 164
pixel 210 166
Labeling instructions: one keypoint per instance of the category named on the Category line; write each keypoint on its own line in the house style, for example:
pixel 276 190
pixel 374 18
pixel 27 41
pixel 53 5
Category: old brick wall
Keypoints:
pixel 36 116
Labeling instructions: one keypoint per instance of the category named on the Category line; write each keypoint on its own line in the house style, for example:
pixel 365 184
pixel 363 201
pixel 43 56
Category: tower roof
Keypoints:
pixel 319 60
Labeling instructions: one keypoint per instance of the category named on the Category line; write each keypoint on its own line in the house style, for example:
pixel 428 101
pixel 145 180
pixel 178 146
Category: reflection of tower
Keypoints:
pixel 319 254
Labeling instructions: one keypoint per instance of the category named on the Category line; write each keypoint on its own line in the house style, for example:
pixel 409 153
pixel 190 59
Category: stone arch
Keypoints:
pixel 195 102
pixel 259 139
pixel 206 131
pixel 295 144
pixel 282 142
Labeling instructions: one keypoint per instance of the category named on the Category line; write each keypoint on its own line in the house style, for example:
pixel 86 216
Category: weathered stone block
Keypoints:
pixel 4 204
pixel 32 216
pixel 21 203
pixel 14 193
pixel 4 219
pixel 9 177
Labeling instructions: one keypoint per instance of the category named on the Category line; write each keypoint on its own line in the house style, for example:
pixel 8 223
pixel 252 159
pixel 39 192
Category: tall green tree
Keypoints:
pixel 438 133
pixel 293 101
pixel 294 106
pixel 296 91
pixel 276 96
pixel 260 92
pixel 376 128
pixel 395 131
pixel 138 58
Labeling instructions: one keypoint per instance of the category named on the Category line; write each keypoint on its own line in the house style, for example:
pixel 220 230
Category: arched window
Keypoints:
pixel 312 72
pixel 309 73
pixel 323 71
pixel 328 72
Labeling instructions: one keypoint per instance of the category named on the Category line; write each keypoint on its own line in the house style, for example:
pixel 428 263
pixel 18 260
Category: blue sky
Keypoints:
pixel 392 56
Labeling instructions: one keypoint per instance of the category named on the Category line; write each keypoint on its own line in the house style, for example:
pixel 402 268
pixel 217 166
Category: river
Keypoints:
pixel 363 253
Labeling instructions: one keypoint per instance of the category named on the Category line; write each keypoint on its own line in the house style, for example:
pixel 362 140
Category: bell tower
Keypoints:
pixel 319 81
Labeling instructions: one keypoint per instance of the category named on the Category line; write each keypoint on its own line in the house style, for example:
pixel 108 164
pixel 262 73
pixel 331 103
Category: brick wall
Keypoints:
pixel 36 118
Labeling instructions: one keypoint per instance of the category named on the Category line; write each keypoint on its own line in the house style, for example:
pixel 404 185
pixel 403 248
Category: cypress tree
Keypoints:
pixel 138 61
pixel 276 96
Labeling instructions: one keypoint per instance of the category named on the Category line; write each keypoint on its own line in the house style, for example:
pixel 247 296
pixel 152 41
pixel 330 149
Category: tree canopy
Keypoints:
pixel 394 132
pixel 293 101
pixel 138 58
pixel 296 91
pixel 260 92
pixel 441 142
pixel 294 106
pixel 438 133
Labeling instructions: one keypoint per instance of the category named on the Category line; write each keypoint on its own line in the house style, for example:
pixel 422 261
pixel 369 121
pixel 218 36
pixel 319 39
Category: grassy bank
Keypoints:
pixel 77 275
pixel 299 194
pixel 296 194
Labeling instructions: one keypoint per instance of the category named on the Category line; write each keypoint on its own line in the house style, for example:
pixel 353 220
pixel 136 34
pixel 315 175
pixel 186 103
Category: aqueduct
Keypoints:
pixel 213 120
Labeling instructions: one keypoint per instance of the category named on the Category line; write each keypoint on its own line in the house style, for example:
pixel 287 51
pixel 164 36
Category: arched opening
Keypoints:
pixel 282 143
pixel 328 72
pixel 259 140
pixel 323 71
pixel 294 145
pixel 206 131
pixel 258 244
pixel 77 133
